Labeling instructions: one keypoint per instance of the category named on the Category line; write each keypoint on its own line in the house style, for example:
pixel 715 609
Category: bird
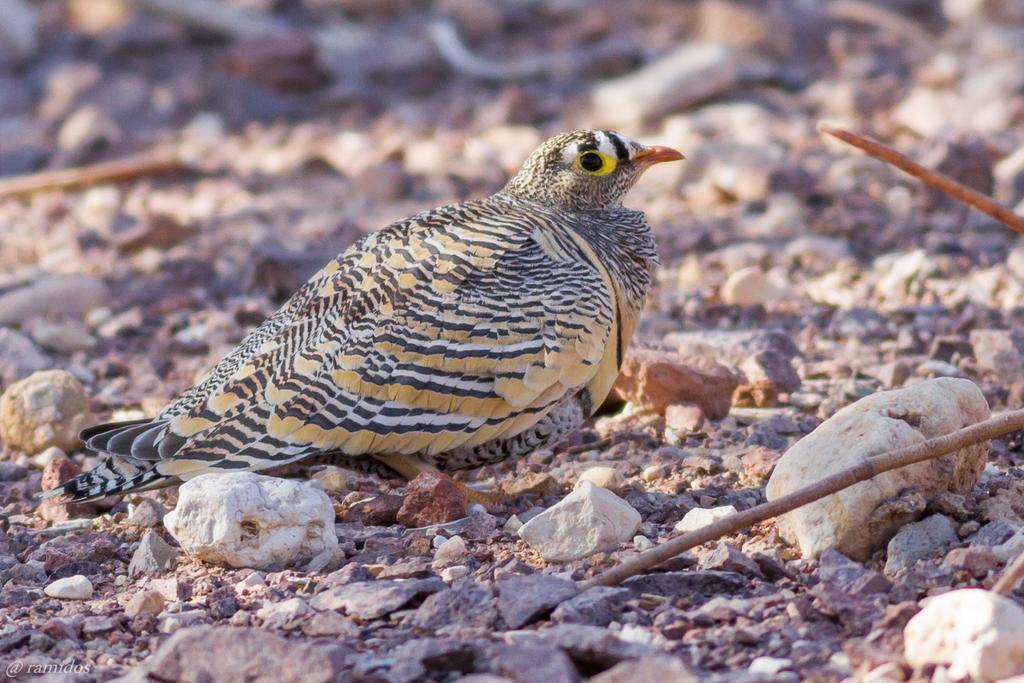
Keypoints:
pixel 456 338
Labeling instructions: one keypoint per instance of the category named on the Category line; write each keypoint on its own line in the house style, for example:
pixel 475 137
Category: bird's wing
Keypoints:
pixel 440 332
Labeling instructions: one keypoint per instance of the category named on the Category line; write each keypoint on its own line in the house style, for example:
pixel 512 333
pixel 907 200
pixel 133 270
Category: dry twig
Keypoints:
pixel 882 18
pixel 982 431
pixel 342 48
pixel 219 17
pixel 1011 577
pixel 604 442
pixel 939 181
pixel 103 172
pixel 445 37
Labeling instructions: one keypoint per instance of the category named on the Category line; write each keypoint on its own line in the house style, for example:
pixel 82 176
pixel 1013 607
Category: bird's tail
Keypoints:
pixel 114 476
pixel 130 458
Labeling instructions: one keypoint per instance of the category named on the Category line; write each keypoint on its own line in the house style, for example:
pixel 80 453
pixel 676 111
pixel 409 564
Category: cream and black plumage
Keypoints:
pixel 455 338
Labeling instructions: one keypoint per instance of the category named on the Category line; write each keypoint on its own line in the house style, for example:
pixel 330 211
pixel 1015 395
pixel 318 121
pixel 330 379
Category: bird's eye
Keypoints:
pixel 596 163
pixel 591 161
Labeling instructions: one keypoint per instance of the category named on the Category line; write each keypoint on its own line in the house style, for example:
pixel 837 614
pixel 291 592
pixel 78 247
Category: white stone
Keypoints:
pixel 350 152
pixel 964 11
pixel 603 476
pixel 769 665
pixel 333 479
pixel 587 521
pixel 652 473
pixel 747 287
pixel 451 551
pixel 171 622
pixel 681 78
pixel 282 614
pixel 697 518
pixel 75 587
pixel 897 271
pixel 641 542
pixel 47 456
pixel 860 519
pixel 926 111
pixel 455 573
pixel 427 156
pixel 976 633
pixel 87 126
pixel 250 520
pixel 251 583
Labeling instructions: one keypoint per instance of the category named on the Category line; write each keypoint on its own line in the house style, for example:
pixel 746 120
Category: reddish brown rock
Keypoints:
pixel 286 63
pixel 975 560
pixel 56 473
pixel 656 379
pixel 759 462
pixel 378 511
pixel 432 498
pixel 684 417
pixel 760 394
pixel 535 483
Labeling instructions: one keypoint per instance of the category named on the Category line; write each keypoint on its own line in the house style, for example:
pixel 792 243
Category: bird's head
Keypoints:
pixel 585 170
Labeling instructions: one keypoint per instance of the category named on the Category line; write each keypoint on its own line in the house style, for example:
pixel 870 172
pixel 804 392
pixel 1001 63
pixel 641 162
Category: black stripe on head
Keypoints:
pixel 620 147
pixel 589 143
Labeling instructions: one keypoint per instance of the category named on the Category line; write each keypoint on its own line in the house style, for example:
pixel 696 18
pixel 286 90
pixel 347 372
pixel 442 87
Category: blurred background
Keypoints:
pixel 257 138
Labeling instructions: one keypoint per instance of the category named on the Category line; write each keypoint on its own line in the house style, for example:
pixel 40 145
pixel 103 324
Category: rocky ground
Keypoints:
pixel 797 277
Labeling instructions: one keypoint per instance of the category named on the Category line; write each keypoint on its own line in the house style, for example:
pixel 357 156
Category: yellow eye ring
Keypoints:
pixel 595 162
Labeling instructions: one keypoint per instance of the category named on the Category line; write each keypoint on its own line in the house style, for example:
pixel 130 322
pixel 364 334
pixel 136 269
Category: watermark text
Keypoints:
pixel 19 668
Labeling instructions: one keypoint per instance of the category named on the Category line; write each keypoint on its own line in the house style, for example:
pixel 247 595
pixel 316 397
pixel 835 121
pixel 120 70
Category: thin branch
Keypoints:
pixel 881 18
pixel 991 428
pixel 445 37
pixel 939 181
pixel 342 48
pixel 603 442
pixel 1011 577
pixel 219 17
pixel 103 172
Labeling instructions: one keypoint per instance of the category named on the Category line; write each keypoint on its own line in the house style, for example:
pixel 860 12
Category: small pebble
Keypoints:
pixel 769 665
pixel 603 476
pixel 642 543
pixel 145 513
pixel 145 602
pixel 47 456
pixel 75 587
pixel 701 517
pixel 333 479
pixel 450 551
pixel 652 473
pixel 451 574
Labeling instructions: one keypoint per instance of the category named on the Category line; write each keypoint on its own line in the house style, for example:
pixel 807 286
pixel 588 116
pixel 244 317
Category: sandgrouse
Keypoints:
pixel 455 338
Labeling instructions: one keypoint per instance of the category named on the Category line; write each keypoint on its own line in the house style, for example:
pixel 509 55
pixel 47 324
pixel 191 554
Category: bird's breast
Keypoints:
pixel 569 244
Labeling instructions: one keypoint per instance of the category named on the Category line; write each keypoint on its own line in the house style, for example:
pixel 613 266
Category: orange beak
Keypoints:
pixel 657 155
